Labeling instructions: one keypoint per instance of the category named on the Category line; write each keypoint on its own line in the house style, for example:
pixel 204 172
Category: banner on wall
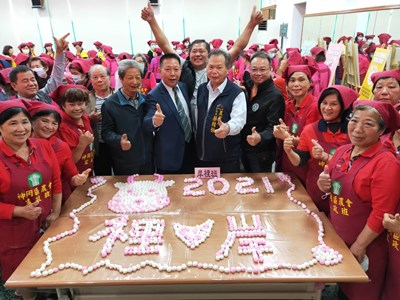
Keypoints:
pixel 377 64
pixel 332 58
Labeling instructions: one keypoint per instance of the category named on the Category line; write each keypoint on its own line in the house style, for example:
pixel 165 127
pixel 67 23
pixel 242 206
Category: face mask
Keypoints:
pixel 153 47
pixel 179 51
pixel 76 78
pixel 25 51
pixel 186 44
pixel 40 72
pixel 272 55
pixel 369 42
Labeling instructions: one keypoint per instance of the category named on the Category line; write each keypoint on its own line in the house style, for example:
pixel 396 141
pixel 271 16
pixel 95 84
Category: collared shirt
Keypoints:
pixel 181 98
pixel 132 101
pixel 239 108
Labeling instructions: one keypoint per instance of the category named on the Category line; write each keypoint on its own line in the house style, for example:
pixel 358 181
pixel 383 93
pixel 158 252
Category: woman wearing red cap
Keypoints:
pixel 361 180
pixel 149 79
pixel 30 186
pixel 386 86
pixel 48 49
pixel 301 110
pixel 155 64
pixel 75 128
pixel 46 120
pixel 319 140
pixel 79 69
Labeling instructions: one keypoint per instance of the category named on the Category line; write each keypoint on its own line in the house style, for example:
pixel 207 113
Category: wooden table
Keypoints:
pixel 290 230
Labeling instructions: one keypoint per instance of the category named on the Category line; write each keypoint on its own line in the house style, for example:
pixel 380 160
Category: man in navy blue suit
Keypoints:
pixel 169 118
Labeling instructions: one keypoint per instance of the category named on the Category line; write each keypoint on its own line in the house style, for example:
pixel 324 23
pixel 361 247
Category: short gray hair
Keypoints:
pixel 98 67
pixel 226 55
pixel 126 64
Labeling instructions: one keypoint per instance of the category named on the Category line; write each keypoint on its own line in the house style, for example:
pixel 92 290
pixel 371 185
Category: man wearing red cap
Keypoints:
pixel 24 83
pixel 384 40
pixel 80 52
pixel 194 69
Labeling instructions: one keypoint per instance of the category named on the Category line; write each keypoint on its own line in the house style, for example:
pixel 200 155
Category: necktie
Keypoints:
pixel 182 114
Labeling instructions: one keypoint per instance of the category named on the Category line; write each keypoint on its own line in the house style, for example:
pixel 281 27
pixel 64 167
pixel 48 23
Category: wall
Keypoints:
pixel 118 22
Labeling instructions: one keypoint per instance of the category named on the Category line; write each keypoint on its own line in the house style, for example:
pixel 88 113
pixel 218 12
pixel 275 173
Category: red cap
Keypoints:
pixel 230 42
pixel 149 42
pixel 248 53
pixel 70 55
pixel 48 45
pixel 369 36
pixel 216 43
pixel 394 42
pixel 33 107
pixel 384 38
pixel 180 46
pixel 268 47
pixel 342 39
pixel 175 43
pixel 387 111
pixel 79 43
pixel 22 45
pixel 46 59
pixel 348 95
pixel 361 43
pixel 391 73
pixel 359 34
pixel 92 53
pixel 306 69
pixel 4 74
pixel 20 58
pixel 254 47
pixel 108 50
pixel 371 48
pixel 97 44
pixel 294 57
pixel 186 39
pixel 349 38
pixel 327 39
pixel 124 55
pixel 158 50
pixel 292 49
pixel 273 41
pixel 30 44
pixel 83 64
pixel 316 50
pixel 4 105
pixel 63 88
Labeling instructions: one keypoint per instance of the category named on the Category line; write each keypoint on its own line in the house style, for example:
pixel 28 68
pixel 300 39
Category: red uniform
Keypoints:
pixel 360 196
pixel 320 79
pixel 67 166
pixel 296 118
pixel 69 133
pixel 237 70
pixel 329 141
pixel 22 183
pixel 363 65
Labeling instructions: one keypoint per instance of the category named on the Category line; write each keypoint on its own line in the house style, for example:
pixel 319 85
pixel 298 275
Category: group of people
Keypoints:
pixel 202 113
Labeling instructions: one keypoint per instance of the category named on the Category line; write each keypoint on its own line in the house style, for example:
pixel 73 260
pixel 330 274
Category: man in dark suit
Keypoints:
pixel 169 118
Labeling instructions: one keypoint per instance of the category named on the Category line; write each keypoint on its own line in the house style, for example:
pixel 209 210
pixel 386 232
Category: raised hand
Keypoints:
pixel 147 13
pixel 158 118
pixel 223 130
pixel 95 116
pixel 61 43
pixel 85 138
pixel 30 211
pixel 318 152
pixel 256 16
pixel 125 143
pixel 281 131
pixel 288 144
pixel 324 180
pixel 80 179
pixel 254 139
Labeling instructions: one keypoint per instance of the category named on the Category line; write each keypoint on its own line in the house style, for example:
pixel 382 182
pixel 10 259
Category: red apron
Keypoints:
pixel 315 167
pixel 392 281
pixel 296 124
pixel 67 188
pixel 28 184
pixel 349 216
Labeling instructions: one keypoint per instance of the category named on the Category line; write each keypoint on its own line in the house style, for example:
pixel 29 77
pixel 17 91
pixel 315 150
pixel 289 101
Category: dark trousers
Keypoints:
pixel 102 164
pixel 257 162
pixel 188 164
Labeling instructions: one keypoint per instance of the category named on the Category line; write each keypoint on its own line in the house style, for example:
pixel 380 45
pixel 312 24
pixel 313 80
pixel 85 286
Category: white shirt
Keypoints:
pixel 181 98
pixel 239 108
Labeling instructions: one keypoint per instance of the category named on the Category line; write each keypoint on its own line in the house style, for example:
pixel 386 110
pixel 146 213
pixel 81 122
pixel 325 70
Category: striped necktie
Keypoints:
pixel 182 114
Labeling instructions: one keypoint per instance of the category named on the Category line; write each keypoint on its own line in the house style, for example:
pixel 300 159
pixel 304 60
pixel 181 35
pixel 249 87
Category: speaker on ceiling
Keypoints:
pixel 154 2
pixel 37 3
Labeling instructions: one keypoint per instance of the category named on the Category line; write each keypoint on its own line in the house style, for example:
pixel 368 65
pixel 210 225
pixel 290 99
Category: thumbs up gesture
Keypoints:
pixel 125 143
pixel 318 152
pixel 281 131
pixel 255 138
pixel 85 138
pixel 223 130
pixel 158 118
pixel 324 180
pixel 80 179
pixel 30 211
